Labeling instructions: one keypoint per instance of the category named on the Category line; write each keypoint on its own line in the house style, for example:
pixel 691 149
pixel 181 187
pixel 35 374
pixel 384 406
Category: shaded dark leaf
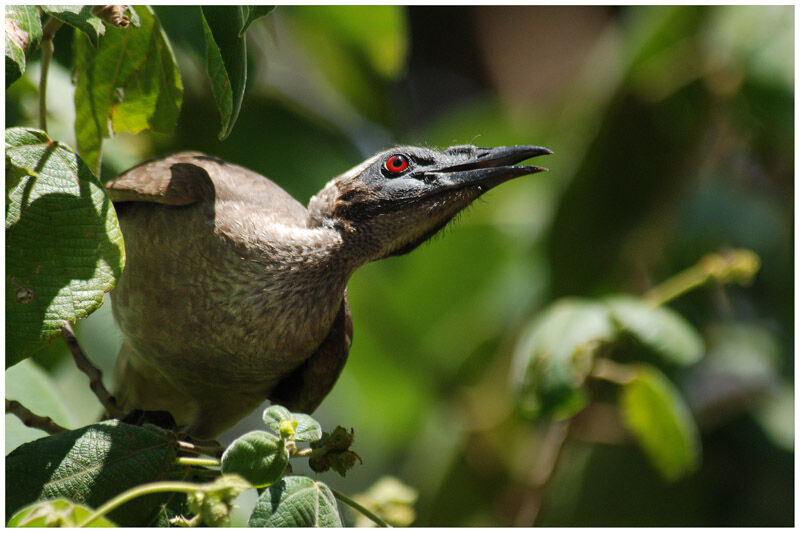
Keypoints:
pixel 226 56
pixel 81 18
pixel 253 14
pixel 91 465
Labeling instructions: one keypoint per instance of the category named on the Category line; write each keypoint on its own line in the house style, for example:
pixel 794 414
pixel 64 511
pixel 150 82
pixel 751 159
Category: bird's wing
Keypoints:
pixel 305 388
pixel 173 180
pixel 189 177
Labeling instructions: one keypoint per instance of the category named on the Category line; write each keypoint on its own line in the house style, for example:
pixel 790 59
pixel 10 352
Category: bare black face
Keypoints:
pixel 401 197
pixel 409 177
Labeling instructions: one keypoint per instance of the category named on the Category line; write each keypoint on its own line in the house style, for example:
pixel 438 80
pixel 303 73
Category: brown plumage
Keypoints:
pixel 234 292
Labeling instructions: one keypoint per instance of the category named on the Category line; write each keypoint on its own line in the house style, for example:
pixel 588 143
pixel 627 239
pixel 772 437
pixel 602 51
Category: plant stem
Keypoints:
pixel 141 490
pixel 198 461
pixel 612 371
pixel 48 32
pixel 360 508
pixel 214 450
pixel 542 471
pixel 94 374
pixel 680 283
pixel 730 266
pixel 31 419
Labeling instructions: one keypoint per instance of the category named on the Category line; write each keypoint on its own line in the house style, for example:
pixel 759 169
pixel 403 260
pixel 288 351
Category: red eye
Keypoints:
pixel 396 164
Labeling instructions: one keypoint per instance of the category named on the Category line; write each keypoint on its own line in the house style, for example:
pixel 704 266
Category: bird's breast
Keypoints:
pixel 230 315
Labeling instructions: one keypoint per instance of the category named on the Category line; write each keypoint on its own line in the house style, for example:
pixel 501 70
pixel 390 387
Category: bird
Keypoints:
pixel 234 292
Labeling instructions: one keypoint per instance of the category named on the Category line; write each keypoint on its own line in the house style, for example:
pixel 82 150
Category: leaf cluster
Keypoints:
pixel 135 476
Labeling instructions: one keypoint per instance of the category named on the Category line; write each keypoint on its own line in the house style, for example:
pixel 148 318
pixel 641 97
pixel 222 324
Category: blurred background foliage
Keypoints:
pixel 673 135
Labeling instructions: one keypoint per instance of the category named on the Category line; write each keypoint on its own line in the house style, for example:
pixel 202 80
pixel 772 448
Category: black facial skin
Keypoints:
pixel 407 194
pixel 431 174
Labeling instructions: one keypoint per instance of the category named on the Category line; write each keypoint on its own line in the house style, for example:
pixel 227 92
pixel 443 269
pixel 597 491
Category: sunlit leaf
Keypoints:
pixel 23 32
pixel 129 83
pixel 63 243
pixel 257 456
pixel 303 427
pixel 226 54
pixel 81 18
pixel 59 512
pixel 657 416
pixel 91 465
pixel 296 501
pixel 556 354
pixel 659 328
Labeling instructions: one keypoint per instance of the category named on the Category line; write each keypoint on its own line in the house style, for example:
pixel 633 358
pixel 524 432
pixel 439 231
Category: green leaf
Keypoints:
pixel 33 388
pixel 79 17
pixel 359 49
pixel 129 82
pixel 659 328
pixel 64 248
pixel 296 501
pixel 657 416
pixel 254 13
pixel 775 415
pixel 556 354
pixel 23 33
pixel 303 427
pixel 91 465
pixel 56 513
pixel 257 456
pixel 226 53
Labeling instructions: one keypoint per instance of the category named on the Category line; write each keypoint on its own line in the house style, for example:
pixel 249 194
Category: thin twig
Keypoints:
pixel 136 492
pixel 94 374
pixel 542 472
pixel 198 461
pixel 612 371
pixel 214 449
pixel 48 32
pixel 31 419
pixel 347 500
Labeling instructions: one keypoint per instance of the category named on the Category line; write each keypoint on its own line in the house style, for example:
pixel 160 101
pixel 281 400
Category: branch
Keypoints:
pixel 542 472
pixel 206 447
pixel 94 374
pixel 32 420
pixel 347 500
pixel 729 266
pixel 48 32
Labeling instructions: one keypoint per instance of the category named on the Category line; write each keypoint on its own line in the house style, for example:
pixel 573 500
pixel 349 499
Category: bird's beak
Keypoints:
pixel 490 166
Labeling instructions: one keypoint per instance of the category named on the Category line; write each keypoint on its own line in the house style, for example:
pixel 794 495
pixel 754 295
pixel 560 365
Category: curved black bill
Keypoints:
pixel 491 166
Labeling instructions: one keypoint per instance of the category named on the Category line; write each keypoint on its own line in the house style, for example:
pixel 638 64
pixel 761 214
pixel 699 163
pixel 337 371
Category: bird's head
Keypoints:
pixel 396 200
